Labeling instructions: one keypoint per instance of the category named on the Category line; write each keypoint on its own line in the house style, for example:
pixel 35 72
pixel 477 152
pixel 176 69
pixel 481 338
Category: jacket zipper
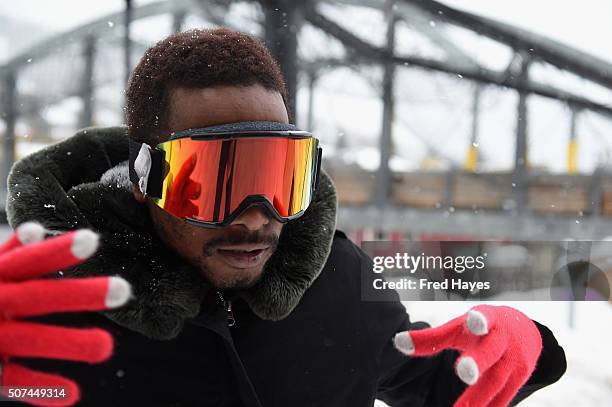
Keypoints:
pixel 231 321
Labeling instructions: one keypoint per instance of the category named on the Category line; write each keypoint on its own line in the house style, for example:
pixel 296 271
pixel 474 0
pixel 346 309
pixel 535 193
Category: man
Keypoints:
pixel 247 300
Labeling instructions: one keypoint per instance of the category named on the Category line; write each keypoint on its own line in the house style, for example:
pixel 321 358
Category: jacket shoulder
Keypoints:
pixel 344 249
pixel 39 182
pixel 345 263
pixel 345 267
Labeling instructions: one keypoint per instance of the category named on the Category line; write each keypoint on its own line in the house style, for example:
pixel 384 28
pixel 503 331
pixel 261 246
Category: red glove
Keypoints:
pixel 182 189
pixel 23 258
pixel 499 349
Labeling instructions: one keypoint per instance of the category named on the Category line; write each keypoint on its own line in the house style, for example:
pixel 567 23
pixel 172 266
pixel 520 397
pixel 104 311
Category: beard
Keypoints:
pixel 237 281
pixel 234 279
pixel 205 259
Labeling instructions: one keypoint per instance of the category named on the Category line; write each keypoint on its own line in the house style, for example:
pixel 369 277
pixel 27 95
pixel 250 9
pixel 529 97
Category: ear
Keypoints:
pixel 139 196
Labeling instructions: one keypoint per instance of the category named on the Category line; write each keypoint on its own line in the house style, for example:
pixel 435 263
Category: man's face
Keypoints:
pixel 233 256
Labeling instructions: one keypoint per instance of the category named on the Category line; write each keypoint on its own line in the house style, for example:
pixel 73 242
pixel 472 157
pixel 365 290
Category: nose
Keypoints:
pixel 252 219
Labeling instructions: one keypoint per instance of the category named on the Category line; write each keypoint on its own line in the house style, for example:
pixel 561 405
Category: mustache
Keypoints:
pixel 240 237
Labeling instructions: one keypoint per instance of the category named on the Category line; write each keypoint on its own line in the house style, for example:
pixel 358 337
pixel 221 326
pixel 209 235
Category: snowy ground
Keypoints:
pixel 588 347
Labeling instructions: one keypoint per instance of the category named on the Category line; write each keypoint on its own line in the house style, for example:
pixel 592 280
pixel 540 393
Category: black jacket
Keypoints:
pixel 302 336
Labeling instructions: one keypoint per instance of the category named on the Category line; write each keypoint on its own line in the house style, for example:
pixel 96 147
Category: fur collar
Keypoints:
pixel 167 290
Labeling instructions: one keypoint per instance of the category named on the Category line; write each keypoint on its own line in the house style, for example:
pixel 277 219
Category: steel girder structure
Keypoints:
pixel 418 12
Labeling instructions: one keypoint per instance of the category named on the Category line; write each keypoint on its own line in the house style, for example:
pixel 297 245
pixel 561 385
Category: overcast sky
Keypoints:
pixel 584 24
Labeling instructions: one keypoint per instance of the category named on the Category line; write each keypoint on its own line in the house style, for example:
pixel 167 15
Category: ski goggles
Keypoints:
pixel 209 176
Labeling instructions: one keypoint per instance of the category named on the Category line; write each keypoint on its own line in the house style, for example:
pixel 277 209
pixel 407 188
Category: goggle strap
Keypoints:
pixel 319 159
pixel 155 180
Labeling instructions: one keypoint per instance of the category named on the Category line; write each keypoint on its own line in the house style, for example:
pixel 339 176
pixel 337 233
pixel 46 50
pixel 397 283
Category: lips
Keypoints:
pixel 243 256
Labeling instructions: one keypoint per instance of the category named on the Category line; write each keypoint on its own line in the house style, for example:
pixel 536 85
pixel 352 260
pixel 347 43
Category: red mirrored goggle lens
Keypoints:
pixel 208 180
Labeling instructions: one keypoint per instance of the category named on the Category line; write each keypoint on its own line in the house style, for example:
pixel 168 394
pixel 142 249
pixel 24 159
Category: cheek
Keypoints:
pixel 187 240
pixel 277 227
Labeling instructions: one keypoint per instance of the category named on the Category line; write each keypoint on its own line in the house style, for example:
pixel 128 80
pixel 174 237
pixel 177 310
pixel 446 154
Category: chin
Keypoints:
pixel 224 277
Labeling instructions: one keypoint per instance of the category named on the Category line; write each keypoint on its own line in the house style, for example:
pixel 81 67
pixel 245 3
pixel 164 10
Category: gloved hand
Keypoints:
pixel 499 349
pixel 23 258
pixel 182 189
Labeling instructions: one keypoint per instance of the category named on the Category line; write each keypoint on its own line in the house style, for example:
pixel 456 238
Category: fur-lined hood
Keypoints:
pixel 83 182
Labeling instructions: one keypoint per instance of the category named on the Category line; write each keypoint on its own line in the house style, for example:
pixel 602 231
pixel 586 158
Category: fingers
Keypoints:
pixel 486 350
pixel 41 297
pixel 189 209
pixel 179 195
pixel 489 385
pixel 476 360
pixel 183 174
pixel 181 207
pixel 16 376
pixel 481 320
pixel 53 254
pixel 26 233
pixel 25 339
pixel 192 190
pixel 185 189
pixel 478 321
pixel 507 393
pixel 425 342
